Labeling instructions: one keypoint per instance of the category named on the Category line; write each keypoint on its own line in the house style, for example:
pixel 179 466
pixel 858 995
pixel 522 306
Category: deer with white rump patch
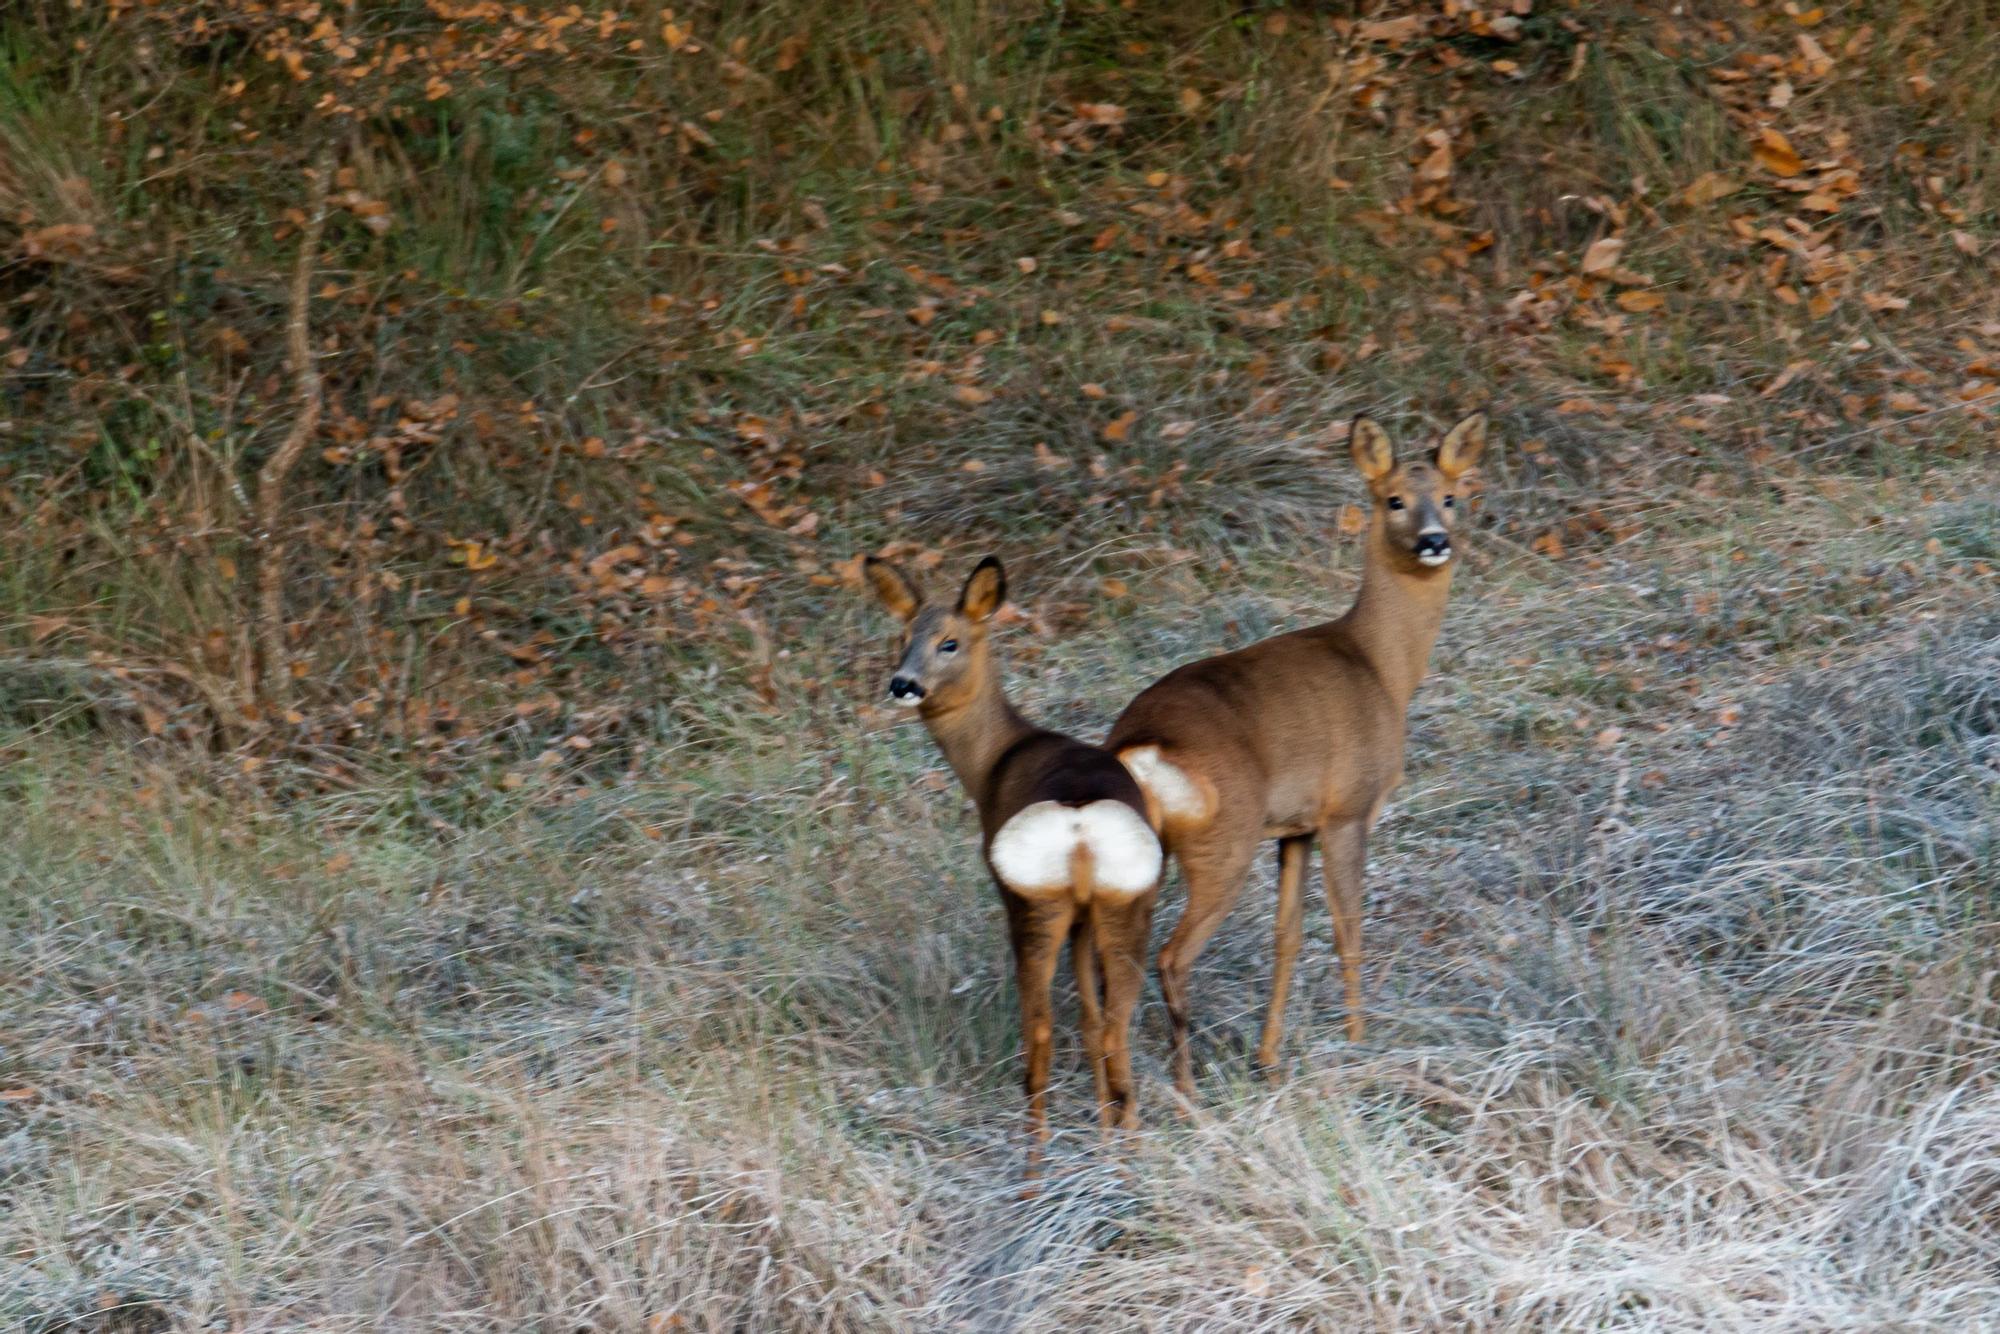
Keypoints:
pixel 1301 736
pixel 1064 831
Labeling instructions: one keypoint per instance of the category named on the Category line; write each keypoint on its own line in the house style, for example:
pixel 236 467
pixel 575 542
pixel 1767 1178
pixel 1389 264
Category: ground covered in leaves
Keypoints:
pixel 528 920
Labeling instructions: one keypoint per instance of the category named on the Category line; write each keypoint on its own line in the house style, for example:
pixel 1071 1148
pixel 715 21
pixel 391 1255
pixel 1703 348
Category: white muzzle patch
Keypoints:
pixel 1031 853
pixel 1434 558
pixel 1173 789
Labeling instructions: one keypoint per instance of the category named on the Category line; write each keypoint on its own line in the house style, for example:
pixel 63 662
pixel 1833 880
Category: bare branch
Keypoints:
pixel 269 515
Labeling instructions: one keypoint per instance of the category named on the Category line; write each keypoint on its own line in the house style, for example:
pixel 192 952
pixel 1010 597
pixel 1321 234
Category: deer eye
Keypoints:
pixel 1449 501
pixel 1395 502
pixel 948 646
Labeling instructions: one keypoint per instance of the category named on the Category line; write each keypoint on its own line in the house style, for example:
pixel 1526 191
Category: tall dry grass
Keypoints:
pixel 1687 1025
pixel 595 957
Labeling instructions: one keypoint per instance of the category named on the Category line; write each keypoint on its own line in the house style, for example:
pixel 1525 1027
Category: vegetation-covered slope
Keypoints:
pixel 456 874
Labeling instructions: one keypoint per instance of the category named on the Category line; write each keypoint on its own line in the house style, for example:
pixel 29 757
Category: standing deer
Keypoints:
pixel 1063 826
pixel 1300 735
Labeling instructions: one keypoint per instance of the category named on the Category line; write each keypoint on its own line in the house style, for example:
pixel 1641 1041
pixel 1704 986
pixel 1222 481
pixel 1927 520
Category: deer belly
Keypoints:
pixel 1293 807
pixel 1035 852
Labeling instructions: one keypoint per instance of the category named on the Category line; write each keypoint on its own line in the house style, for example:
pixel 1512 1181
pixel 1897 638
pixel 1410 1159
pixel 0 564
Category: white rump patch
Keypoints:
pixel 1031 853
pixel 1174 789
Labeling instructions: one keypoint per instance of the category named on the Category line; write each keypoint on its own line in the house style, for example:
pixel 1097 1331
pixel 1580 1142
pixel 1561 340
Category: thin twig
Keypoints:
pixel 275 676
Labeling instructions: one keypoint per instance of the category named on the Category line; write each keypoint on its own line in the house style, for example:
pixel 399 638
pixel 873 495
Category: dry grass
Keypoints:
pixel 831 291
pixel 1689 1027
pixel 596 958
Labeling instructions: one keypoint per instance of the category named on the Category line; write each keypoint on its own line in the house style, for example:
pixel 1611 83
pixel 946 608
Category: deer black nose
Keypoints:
pixel 1433 544
pixel 902 687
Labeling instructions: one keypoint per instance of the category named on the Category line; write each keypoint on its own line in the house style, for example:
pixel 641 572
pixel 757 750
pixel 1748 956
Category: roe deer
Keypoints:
pixel 1064 829
pixel 1300 735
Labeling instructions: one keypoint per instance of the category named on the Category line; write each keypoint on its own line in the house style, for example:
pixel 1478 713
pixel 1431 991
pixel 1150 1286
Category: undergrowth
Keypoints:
pixel 574 944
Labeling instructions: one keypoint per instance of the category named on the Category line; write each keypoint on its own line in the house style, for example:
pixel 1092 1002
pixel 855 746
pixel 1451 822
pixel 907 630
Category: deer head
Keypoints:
pixel 1417 503
pixel 942 659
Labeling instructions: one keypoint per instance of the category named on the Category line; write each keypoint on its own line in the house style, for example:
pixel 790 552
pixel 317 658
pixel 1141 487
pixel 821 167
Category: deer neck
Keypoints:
pixel 1396 616
pixel 974 730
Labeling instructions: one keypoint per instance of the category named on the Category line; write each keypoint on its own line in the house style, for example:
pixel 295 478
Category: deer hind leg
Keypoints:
pixel 1293 853
pixel 1214 883
pixel 1083 956
pixel 1344 850
pixel 1038 930
pixel 1121 930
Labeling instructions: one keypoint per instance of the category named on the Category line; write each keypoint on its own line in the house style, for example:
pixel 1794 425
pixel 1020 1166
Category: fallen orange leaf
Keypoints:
pixel 1603 254
pixel 1397 30
pixel 1709 187
pixel 1776 155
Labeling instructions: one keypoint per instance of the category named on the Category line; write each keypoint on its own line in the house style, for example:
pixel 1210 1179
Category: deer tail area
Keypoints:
pixel 1081 875
pixel 1100 848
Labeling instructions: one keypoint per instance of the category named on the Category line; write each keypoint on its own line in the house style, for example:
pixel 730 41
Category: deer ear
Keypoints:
pixel 1462 445
pixel 1373 454
pixel 893 588
pixel 984 591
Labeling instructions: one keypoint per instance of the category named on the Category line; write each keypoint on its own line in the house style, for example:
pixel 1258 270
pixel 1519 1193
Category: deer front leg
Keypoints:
pixel 1344 850
pixel 1293 854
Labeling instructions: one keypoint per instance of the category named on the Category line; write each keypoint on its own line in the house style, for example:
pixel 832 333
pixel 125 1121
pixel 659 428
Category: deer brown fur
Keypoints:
pixel 1300 736
pixel 1063 829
